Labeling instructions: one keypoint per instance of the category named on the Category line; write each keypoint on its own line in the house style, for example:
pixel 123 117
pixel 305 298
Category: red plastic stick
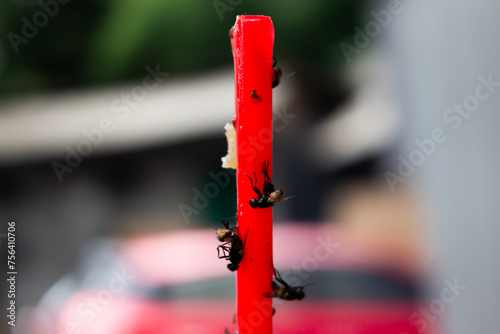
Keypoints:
pixel 252 39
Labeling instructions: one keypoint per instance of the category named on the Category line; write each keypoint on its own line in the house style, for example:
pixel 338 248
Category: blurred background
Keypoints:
pixel 111 128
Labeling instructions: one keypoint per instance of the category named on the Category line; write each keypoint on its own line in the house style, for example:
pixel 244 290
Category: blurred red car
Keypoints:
pixel 174 283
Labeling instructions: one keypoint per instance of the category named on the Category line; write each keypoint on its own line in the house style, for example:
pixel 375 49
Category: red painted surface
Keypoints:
pixel 111 308
pixel 252 43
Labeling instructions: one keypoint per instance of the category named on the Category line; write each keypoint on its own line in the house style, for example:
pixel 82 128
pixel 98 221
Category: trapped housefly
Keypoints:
pixel 285 291
pixel 255 97
pixel 232 251
pixel 226 233
pixel 278 74
pixel 269 195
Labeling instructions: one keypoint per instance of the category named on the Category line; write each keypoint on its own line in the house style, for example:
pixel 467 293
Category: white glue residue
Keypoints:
pixel 231 159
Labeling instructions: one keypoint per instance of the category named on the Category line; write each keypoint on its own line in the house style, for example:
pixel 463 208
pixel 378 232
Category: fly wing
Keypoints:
pixel 284 199
pixel 256 99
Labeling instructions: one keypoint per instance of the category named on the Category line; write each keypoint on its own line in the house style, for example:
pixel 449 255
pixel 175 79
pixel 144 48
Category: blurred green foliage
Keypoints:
pixel 90 42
